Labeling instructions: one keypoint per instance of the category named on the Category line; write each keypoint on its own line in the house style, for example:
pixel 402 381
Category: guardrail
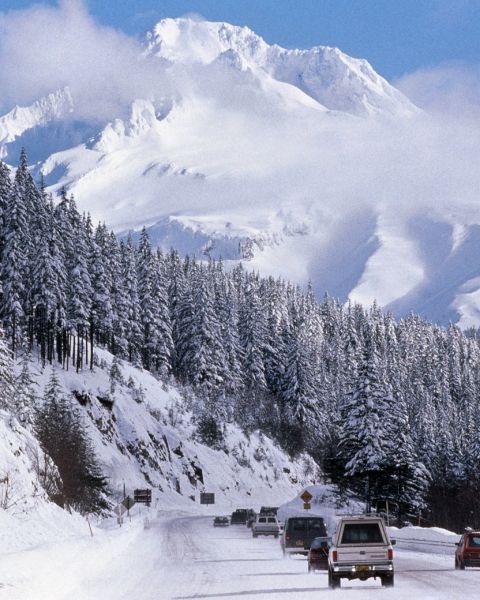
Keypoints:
pixel 425 542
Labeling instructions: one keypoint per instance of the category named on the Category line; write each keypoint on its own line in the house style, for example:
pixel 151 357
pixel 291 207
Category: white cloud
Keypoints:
pixel 45 48
pixel 448 89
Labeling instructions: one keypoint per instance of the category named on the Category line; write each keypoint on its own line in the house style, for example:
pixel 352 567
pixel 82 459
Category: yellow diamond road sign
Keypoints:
pixel 306 496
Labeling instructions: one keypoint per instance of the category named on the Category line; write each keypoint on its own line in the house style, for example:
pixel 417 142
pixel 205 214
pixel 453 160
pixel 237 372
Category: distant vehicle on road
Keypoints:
pixel 269 510
pixel 318 554
pixel 239 517
pixel 299 532
pixel 467 553
pixel 360 549
pixel 266 525
pixel 221 522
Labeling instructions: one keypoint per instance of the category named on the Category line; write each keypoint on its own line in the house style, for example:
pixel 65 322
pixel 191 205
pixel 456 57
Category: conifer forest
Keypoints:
pixel 389 409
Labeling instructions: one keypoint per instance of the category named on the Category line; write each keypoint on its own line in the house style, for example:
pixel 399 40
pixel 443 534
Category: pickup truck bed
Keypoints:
pixel 361 549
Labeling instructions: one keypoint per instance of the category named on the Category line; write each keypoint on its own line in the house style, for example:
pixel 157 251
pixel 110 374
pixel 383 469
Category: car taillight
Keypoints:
pixel 334 555
pixel 390 554
pixel 287 536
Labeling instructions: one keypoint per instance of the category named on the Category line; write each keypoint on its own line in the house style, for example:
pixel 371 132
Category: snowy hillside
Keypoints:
pixel 306 163
pixel 144 436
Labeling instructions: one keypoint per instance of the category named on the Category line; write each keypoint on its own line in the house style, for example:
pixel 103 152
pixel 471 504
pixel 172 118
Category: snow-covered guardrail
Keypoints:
pixel 425 539
pixel 428 542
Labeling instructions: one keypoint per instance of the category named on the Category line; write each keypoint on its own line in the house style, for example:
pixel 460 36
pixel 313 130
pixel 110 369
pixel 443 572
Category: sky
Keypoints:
pixel 396 36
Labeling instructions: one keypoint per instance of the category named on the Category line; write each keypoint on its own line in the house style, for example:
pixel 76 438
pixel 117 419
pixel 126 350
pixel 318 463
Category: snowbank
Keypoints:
pixel 325 503
pixel 434 540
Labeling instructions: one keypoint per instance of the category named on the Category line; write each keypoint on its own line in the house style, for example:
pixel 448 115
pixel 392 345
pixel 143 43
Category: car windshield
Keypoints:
pixel 362 533
pixel 317 527
pixel 271 520
pixel 474 541
pixel 298 524
pixel 314 525
pixel 262 520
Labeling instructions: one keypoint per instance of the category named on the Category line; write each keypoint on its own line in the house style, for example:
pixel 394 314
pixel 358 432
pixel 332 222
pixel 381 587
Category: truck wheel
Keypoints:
pixel 333 580
pixel 388 581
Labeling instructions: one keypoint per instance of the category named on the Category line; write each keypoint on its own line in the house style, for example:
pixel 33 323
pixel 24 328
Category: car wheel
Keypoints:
pixel 276 536
pixel 254 535
pixel 457 566
pixel 462 565
pixel 309 568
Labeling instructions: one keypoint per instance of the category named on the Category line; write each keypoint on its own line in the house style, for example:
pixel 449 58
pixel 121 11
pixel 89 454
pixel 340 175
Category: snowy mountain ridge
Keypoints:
pixel 56 106
pixel 328 75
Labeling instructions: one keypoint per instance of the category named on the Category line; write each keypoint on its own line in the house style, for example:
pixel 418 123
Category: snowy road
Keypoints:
pixel 182 558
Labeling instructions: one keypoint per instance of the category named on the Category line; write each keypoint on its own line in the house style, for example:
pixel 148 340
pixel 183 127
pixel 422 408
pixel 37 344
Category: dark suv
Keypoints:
pixel 299 532
pixel 239 517
pixel 467 553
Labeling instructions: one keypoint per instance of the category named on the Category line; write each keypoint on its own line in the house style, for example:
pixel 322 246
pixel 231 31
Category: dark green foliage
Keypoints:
pixel 62 435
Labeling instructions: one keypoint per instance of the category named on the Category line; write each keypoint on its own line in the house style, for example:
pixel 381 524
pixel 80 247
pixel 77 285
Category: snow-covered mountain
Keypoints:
pixel 55 106
pixel 334 79
pixel 306 163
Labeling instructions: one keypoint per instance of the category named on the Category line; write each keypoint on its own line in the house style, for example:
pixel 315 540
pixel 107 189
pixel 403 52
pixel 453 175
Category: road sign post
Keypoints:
pixel 143 496
pixel 128 502
pixel 207 498
pixel 119 511
pixel 306 497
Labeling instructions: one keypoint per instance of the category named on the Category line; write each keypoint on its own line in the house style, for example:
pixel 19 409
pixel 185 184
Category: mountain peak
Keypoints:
pixel 327 74
pixel 196 41
pixel 56 105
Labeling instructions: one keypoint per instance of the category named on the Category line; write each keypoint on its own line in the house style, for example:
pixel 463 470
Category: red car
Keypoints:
pixel 318 555
pixel 467 553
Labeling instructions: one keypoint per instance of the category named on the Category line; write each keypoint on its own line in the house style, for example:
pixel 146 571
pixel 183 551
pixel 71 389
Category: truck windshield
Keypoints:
pixel 361 533
pixel 474 541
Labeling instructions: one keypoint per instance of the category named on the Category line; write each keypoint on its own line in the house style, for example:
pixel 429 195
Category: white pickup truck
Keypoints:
pixel 266 525
pixel 360 549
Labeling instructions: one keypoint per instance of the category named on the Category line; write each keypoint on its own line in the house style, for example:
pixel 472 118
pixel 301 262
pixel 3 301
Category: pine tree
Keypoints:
pixel 132 325
pixel 365 437
pixel 7 388
pixel 62 435
pixel 48 290
pixel 14 268
pixel 25 397
pixel 5 192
